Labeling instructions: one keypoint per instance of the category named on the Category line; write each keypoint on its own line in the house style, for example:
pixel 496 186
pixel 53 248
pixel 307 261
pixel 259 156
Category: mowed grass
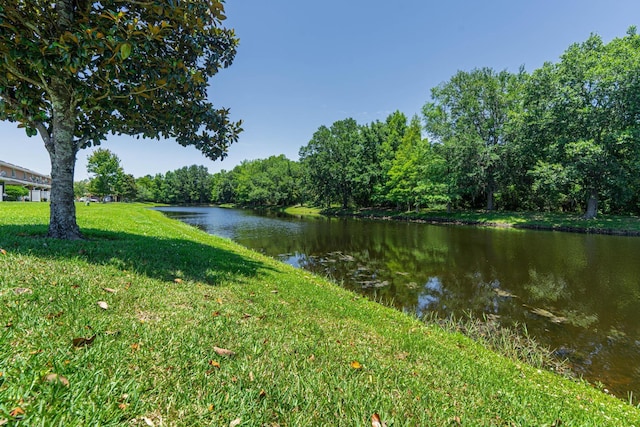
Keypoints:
pixel 305 352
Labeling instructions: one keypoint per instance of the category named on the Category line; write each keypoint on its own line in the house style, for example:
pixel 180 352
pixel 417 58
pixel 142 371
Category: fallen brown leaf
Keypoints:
pixel 210 407
pixel 214 363
pixel 177 280
pixel 16 412
pixel 103 305
pixel 4 421
pixel 235 422
pixel 82 341
pixel 20 291
pixel 262 393
pixel 3 252
pixel 356 365
pixel 55 378
pixel 402 356
pixel 375 421
pixel 224 352
pixel 54 315
pixel 110 290
pixel 148 422
pixel 123 406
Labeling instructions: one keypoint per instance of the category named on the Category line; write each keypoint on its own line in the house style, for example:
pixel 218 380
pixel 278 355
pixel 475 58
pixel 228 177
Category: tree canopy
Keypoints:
pixel 75 71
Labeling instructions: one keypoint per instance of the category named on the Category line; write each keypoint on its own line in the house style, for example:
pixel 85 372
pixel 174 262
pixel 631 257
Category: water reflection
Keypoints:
pixel 579 294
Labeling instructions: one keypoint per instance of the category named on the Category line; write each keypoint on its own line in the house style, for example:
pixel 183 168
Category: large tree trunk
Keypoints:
pixel 592 205
pixel 490 202
pixel 62 151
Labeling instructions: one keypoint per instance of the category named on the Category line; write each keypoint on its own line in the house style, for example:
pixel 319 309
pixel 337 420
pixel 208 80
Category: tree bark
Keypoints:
pixel 62 151
pixel 490 203
pixel 592 205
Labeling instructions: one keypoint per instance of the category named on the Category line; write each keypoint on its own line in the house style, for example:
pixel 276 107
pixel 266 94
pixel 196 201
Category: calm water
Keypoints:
pixel 579 294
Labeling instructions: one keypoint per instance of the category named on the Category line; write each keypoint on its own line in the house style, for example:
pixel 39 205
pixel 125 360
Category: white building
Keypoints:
pixel 39 185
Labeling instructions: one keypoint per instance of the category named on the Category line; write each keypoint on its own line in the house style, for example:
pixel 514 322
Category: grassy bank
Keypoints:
pixel 305 352
pixel 604 224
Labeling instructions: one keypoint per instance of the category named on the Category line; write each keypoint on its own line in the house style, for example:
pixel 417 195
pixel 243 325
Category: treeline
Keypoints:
pixel 274 181
pixel 565 137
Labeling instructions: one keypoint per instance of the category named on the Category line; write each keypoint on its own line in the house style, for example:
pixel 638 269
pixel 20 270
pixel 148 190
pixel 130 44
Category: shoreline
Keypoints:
pixel 627 226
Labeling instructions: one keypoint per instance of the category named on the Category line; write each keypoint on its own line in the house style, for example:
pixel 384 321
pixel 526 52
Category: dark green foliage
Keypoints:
pixel 276 181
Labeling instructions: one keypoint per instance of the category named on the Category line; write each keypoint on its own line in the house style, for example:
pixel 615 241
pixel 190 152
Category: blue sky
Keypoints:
pixel 302 64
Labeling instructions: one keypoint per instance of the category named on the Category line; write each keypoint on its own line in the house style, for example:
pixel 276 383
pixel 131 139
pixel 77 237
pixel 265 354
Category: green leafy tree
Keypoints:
pixel 193 184
pixel 106 170
pixel 223 187
pixel 81 188
pixel 403 173
pixel 372 176
pixel 469 113
pixel 261 182
pixel 582 113
pixel 332 162
pixel 125 187
pixel 416 176
pixel 74 71
pixel 146 189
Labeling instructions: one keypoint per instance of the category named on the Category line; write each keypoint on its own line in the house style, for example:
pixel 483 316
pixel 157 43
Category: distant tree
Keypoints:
pixel 105 168
pixel 191 184
pixel 81 188
pixel 75 71
pixel 223 187
pixel 146 189
pixel 581 117
pixel 261 182
pixel 416 175
pixel 372 175
pixel 469 113
pixel 332 162
pixel 125 187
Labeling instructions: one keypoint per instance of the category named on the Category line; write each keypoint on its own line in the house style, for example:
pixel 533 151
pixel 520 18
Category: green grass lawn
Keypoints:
pixel 305 352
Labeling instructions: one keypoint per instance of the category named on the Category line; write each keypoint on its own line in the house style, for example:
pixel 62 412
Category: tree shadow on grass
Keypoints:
pixel 155 257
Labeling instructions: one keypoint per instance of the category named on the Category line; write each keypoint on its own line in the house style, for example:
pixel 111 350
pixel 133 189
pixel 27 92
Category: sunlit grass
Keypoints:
pixel 180 292
pixel 303 211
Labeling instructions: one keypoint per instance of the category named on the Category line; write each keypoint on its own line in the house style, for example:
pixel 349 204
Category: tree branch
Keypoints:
pixel 44 134
pixel 19 75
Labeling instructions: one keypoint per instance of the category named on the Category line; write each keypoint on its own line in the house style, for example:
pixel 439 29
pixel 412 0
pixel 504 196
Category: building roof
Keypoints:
pixel 35 182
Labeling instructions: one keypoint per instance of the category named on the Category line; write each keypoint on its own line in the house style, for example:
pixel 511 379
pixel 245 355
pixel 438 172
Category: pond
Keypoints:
pixel 576 293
